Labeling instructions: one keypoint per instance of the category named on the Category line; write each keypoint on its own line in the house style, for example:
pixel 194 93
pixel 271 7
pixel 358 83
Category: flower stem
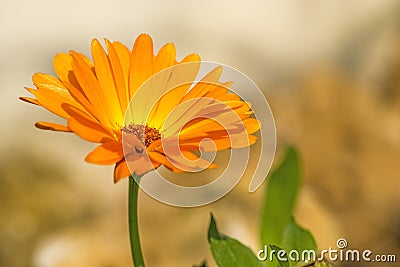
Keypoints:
pixel 133 222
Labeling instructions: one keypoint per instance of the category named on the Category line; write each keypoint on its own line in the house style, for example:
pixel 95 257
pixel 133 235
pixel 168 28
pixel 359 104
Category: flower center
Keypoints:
pixel 144 133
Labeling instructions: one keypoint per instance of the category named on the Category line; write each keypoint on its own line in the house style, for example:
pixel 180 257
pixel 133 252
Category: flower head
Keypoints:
pixel 102 103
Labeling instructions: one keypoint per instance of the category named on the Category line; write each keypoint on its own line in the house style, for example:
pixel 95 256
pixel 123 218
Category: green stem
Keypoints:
pixel 133 222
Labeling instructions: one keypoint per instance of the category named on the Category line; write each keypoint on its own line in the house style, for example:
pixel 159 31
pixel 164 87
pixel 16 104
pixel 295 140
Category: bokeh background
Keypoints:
pixel 330 70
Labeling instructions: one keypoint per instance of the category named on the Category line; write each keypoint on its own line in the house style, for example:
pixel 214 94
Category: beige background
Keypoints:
pixel 330 70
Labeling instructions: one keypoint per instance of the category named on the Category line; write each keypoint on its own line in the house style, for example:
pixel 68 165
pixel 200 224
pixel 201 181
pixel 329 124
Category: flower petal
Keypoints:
pixel 63 67
pixel 45 81
pixel 190 162
pixel 141 69
pixel 161 159
pixel 121 81
pixel 107 153
pixel 31 90
pixel 141 64
pixel 105 78
pixel 165 57
pixel 52 101
pixel 124 56
pixel 206 84
pixel 29 100
pixel 252 125
pixel 180 79
pixel 140 165
pixel 52 126
pixel 121 170
pixel 91 87
pixel 86 127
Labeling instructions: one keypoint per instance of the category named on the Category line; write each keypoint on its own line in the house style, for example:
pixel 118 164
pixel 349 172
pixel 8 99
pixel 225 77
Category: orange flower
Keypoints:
pixel 94 97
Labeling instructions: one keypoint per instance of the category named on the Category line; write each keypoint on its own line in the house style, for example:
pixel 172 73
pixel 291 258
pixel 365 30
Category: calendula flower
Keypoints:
pixel 94 96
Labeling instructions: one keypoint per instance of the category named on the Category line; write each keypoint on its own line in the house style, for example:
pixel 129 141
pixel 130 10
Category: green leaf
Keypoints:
pixel 280 197
pixel 229 252
pixel 296 237
pixel 280 255
pixel 212 230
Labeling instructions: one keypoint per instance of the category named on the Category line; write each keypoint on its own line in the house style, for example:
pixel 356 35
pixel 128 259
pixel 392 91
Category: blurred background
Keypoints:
pixel 329 69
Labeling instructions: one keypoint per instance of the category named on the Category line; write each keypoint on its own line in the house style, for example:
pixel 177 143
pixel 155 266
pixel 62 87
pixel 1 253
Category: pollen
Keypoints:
pixel 144 133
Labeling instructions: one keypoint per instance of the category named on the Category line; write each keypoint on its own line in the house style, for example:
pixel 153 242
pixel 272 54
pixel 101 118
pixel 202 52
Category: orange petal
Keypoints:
pixel 31 90
pixel 51 93
pixel 183 114
pixel 121 170
pixel 180 79
pixel 219 144
pixel 243 107
pixel 131 144
pixel 63 67
pixel 141 64
pixel 87 130
pixel 141 69
pixel 52 101
pixel 191 58
pixel 85 126
pixel 106 81
pixel 161 159
pixel 29 100
pixel 52 126
pixel 165 57
pixel 119 78
pixel 252 125
pixel 124 56
pixel 221 90
pixel 222 93
pixel 77 112
pixel 205 85
pixel 158 83
pixel 239 142
pixel 140 165
pixel 91 87
pixel 107 153
pixel 203 126
pixel 51 83
pixel 190 162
